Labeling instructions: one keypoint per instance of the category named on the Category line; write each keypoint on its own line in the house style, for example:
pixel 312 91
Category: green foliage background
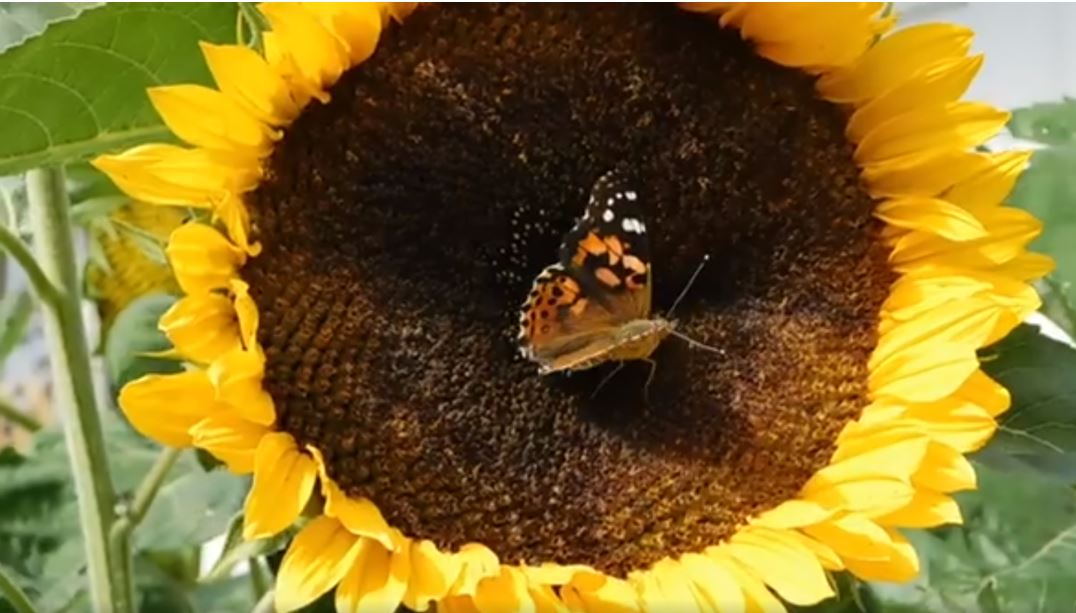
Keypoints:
pixel 72 81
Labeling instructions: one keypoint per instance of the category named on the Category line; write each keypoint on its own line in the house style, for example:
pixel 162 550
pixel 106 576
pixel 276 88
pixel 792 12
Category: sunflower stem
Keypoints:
pixel 18 250
pixel 111 589
pixel 255 21
pixel 17 598
pixel 18 417
pixel 264 604
pixel 119 538
pixel 259 577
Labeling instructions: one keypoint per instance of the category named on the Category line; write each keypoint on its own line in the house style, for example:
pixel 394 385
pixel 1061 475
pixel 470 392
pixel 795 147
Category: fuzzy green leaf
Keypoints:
pixel 20 21
pixel 1038 433
pixel 79 88
pixel 133 334
pixel 1015 552
pixel 1052 123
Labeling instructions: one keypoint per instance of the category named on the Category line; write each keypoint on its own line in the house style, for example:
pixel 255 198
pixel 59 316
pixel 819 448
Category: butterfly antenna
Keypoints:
pixel 690 282
pixel 694 343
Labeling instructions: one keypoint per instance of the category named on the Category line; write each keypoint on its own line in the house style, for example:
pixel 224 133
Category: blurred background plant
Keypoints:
pixel 72 80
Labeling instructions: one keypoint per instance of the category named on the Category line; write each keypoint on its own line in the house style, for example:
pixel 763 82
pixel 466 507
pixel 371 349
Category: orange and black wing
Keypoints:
pixel 602 279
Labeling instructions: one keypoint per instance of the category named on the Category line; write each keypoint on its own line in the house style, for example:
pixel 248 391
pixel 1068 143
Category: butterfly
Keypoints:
pixel 594 304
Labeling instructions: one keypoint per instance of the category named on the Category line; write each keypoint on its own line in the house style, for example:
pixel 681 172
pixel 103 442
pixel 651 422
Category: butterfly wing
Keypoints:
pixel 601 282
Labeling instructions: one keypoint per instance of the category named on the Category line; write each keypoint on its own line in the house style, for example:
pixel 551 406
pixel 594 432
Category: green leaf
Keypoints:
pixel 1015 552
pixel 191 510
pixel 231 595
pixel 20 21
pixel 1047 189
pixel 79 89
pixel 1052 123
pixel 237 550
pixel 133 334
pixel 33 490
pixel 1038 432
pixel 849 598
pixel 15 313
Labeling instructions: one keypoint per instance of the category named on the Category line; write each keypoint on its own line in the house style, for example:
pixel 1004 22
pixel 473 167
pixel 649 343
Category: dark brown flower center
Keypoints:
pixel 403 222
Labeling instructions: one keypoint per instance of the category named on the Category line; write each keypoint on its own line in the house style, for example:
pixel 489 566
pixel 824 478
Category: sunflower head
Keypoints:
pixel 384 195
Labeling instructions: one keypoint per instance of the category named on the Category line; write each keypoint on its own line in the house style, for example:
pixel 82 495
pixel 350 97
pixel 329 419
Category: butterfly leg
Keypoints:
pixel 649 378
pixel 607 378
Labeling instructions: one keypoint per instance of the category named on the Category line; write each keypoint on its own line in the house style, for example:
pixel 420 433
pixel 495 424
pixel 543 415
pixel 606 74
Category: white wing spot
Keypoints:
pixel 609 202
pixel 630 195
pixel 608 216
pixel 633 225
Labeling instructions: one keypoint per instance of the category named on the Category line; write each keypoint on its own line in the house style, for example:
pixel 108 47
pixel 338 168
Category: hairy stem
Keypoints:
pixel 14 594
pixel 111 589
pixel 18 417
pixel 18 250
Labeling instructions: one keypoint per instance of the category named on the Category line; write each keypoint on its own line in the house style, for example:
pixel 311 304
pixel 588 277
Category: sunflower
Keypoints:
pixel 125 271
pixel 382 184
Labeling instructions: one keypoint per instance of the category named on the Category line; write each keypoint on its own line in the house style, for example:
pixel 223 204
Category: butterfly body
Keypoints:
pixel 594 305
pixel 634 340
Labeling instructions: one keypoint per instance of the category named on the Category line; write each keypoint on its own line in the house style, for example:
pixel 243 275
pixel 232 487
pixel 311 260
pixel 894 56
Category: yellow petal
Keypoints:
pixel 503 593
pixel 984 392
pixel 894 60
pixel 376 581
pixel 237 376
pixel 546 600
pixel 164 407
pixel 926 177
pixel 358 515
pixel 945 469
pixel 794 514
pixel 245 77
pixel 233 214
pixel 899 564
pixel 202 259
pixel 283 480
pixel 716 585
pixel 549 573
pixel 931 215
pixel 432 575
pixel 477 562
pixel 826 556
pixel 967 322
pixel 870 496
pixel 178 176
pixel 939 83
pixel 1027 267
pixel 758 598
pixel 928 131
pixel 246 311
pixel 589 593
pixel 666 587
pixel 230 438
pixel 812 37
pixel 318 56
pixel 963 427
pixel 201 326
pixel 399 11
pixel 319 557
pixel 356 26
pixel 204 117
pixel 854 537
pixel 926 510
pixel 1010 232
pixel 952 421
pixel 924 376
pixel 792 571
pixel 922 291
pixel 989 187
